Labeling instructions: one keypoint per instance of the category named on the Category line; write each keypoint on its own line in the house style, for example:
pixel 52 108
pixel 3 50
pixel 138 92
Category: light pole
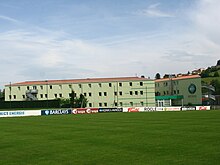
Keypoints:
pixel 10 94
pixel 47 92
pixel 146 97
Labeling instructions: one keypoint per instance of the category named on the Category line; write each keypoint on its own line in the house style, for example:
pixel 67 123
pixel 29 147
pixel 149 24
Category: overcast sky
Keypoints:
pixel 65 39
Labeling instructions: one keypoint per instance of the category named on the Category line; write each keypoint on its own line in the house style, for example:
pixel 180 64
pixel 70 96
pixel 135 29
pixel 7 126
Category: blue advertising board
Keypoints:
pixel 56 112
pixel 110 109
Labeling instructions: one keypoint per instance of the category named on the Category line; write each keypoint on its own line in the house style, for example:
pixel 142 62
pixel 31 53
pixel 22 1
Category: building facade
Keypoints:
pixel 178 91
pixel 100 92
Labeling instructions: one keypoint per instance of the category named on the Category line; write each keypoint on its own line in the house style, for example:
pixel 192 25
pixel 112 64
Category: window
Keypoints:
pixel 90 85
pixel 23 96
pixel 141 92
pixel 164 92
pixel 100 85
pixel 174 92
pixel 131 93
pixel 41 96
pixel 28 87
pixel 131 103
pixel 141 83
pixel 105 93
pixel 46 95
pixel 90 94
pixel 10 97
pixel 60 95
pixel 90 104
pixel 19 88
pixel 100 104
pixel 34 87
pixel 178 92
pixel 55 95
pixel 60 86
pixel 121 104
pixel 136 92
pixel 105 104
pixel 130 83
pixel 70 85
pixel 120 84
pixel 110 84
pixel 41 87
pixel 80 85
pixel 14 96
pixel 51 87
pixel 165 83
pixel 115 93
pixel 120 93
pixel 142 103
pixel 100 93
pixel 167 92
pixel 116 104
pixel 85 94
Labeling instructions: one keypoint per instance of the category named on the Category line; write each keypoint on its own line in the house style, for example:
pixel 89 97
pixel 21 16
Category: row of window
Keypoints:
pixel 175 92
pixel 70 86
pixel 120 104
pixel 85 94
pixel 166 83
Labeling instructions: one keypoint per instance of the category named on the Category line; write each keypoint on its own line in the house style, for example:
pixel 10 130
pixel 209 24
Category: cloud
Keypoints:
pixel 206 18
pixel 8 19
pixel 154 11
pixel 186 56
pixel 36 56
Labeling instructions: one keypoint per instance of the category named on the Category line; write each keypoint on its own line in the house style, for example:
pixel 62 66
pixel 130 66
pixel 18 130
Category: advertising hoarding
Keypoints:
pixel 188 108
pixel 172 108
pixel 20 113
pixel 202 108
pixel 101 110
pixel 84 110
pixel 56 112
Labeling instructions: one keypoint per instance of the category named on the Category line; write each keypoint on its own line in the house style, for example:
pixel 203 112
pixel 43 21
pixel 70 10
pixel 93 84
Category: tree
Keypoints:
pixel 82 101
pixel 64 103
pixel 73 101
pixel 218 63
pixel 216 84
pixel 72 98
pixel 157 76
pixel 216 74
pixel 78 102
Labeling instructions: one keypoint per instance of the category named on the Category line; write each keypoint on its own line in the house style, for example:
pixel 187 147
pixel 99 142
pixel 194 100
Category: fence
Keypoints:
pixel 29 104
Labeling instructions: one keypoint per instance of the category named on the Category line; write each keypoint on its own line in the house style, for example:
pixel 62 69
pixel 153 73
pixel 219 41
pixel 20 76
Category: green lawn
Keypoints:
pixel 154 138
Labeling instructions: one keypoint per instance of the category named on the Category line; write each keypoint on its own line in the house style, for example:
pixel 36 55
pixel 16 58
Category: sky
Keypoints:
pixel 71 39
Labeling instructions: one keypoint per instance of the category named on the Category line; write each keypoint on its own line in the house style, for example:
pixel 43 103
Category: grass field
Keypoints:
pixel 155 138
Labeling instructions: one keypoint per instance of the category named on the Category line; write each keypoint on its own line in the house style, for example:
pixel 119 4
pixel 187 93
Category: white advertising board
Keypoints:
pixel 172 108
pixel 139 109
pixel 20 113
pixel 202 108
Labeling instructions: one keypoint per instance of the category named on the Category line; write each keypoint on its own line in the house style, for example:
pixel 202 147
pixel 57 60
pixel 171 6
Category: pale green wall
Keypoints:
pixel 145 94
pixel 181 88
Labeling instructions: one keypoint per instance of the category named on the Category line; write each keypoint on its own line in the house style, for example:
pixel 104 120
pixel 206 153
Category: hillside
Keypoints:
pixel 211 76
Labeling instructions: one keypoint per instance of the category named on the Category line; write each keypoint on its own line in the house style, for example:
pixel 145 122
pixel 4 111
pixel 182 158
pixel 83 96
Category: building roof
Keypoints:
pixel 178 78
pixel 74 81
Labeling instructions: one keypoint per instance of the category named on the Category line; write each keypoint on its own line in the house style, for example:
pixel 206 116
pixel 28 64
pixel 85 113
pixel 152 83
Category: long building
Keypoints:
pixel 100 92
pixel 178 91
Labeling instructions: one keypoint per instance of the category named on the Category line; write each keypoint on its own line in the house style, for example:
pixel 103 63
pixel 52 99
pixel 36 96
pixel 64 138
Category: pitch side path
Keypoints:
pixel 152 138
